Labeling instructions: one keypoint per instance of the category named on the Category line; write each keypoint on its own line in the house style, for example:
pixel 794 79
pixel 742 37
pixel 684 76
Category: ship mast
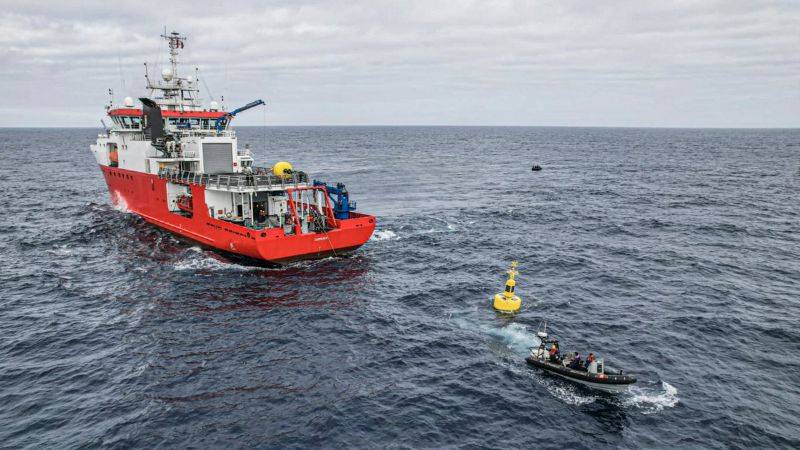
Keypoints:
pixel 175 42
pixel 177 93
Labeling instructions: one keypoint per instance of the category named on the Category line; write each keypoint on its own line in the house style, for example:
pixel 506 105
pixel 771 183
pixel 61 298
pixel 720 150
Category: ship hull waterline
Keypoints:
pixel 145 195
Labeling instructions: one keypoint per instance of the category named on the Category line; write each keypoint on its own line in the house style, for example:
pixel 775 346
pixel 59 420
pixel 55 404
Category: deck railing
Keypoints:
pixel 260 179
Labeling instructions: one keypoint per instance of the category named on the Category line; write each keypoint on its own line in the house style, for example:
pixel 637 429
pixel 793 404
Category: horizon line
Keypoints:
pixel 655 127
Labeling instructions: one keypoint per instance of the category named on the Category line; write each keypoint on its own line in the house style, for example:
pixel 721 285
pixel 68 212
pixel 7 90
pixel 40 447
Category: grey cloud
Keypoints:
pixel 623 63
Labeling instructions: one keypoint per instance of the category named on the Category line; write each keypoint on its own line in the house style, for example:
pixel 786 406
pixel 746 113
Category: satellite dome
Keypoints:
pixel 166 74
pixel 189 78
pixel 213 106
pixel 128 102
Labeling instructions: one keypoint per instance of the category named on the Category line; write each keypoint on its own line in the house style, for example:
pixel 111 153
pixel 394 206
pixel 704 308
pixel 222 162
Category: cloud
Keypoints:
pixel 626 63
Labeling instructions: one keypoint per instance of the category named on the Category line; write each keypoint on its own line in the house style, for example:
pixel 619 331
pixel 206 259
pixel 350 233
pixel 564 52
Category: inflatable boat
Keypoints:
pixel 594 375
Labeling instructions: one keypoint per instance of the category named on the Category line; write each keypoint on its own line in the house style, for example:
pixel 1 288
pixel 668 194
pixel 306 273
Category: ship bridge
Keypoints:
pixel 130 119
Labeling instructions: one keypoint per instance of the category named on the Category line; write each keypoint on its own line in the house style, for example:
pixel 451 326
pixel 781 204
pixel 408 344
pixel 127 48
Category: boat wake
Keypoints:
pixel 417 227
pixel 384 235
pixel 651 402
pixel 516 336
pixel 648 400
pixel 121 204
pixel 197 260
pixel 519 339
pixel 435 225
pixel 565 391
pixel 60 250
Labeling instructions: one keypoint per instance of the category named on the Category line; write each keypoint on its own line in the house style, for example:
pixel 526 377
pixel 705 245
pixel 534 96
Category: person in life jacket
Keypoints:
pixel 576 362
pixel 553 353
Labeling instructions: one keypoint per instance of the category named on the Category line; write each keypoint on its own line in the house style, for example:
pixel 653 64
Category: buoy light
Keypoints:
pixel 507 301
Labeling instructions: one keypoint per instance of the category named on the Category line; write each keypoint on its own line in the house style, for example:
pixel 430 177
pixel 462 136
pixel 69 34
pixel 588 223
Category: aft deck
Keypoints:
pixel 260 180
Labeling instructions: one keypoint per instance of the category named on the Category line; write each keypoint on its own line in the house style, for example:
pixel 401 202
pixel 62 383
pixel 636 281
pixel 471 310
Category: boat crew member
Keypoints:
pixel 591 364
pixel 576 362
pixel 553 353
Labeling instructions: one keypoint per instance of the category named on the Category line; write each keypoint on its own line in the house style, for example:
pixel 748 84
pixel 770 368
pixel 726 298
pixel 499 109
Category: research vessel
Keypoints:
pixel 176 163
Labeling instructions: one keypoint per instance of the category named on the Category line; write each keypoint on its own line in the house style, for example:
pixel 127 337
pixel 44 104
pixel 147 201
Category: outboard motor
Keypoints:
pixel 154 123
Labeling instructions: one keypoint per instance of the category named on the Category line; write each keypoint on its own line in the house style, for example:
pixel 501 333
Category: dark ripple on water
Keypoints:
pixel 674 252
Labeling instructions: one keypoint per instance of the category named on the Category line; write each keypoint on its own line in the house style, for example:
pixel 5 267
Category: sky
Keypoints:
pixel 533 63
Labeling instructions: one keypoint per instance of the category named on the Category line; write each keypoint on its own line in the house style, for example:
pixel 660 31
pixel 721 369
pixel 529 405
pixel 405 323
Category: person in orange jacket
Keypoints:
pixel 553 353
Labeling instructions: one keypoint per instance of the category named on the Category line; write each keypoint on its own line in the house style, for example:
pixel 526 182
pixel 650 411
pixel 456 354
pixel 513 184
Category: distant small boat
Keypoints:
pixel 536 168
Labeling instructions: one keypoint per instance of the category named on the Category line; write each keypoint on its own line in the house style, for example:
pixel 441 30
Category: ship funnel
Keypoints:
pixel 154 123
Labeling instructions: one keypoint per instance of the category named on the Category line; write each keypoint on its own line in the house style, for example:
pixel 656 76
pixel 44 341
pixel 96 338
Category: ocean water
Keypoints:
pixel 674 254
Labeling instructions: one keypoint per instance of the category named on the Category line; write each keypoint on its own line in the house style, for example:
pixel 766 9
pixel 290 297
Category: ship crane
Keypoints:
pixel 341 203
pixel 227 117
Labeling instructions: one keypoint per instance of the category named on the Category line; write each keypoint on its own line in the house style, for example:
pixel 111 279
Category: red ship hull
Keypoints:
pixel 145 195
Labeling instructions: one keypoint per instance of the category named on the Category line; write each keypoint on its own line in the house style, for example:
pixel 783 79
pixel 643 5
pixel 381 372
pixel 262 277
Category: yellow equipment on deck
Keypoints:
pixel 282 169
pixel 506 301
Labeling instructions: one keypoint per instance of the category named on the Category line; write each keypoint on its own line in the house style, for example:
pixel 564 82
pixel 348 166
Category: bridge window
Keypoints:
pixel 128 122
pixel 187 123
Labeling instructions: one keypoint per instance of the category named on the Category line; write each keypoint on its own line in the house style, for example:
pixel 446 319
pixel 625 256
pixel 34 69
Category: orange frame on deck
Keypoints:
pixel 298 227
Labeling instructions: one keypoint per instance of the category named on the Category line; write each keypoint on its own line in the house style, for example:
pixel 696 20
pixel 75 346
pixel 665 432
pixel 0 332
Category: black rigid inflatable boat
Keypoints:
pixel 595 376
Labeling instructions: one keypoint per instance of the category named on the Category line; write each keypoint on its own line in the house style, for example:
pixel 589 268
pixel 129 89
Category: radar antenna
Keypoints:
pixel 175 42
pixel 174 92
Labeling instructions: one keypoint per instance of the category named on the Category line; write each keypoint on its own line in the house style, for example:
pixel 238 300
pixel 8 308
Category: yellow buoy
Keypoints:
pixel 506 301
pixel 282 169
